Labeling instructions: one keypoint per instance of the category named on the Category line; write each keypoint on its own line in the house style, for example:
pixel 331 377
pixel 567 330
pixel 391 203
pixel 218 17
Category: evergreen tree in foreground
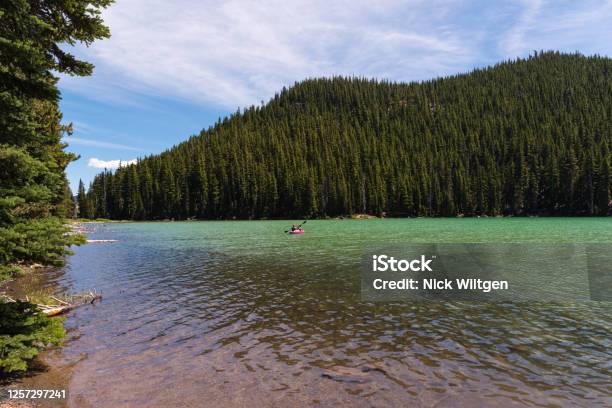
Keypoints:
pixel 529 136
pixel 33 185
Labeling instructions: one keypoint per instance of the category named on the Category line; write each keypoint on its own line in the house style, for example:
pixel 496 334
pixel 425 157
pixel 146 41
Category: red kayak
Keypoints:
pixel 297 232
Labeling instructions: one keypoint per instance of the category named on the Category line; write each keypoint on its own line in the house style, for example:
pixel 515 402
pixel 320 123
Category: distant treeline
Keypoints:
pixel 529 136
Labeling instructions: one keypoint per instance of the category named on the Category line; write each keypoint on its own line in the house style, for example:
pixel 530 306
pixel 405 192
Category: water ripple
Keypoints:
pixel 203 312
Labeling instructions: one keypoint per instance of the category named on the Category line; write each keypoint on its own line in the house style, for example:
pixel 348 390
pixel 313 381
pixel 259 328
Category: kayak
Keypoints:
pixel 297 232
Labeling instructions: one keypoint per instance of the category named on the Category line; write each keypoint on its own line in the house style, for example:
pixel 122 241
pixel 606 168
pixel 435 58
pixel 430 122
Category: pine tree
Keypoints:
pixel 32 157
pixel 84 202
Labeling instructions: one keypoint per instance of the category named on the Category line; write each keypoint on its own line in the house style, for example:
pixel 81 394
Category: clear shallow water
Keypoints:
pixel 240 314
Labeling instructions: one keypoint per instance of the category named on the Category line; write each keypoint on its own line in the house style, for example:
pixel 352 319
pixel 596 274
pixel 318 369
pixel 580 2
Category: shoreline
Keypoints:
pixel 50 369
pixel 354 217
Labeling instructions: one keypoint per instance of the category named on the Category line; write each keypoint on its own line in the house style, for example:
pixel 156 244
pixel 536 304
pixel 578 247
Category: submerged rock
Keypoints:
pixel 359 375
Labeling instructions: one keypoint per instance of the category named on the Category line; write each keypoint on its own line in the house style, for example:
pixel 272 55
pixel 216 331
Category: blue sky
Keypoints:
pixel 173 68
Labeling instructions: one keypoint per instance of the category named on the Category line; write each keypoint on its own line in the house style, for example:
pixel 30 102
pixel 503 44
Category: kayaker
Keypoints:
pixel 296 229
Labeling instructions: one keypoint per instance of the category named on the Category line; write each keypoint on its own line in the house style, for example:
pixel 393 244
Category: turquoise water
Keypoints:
pixel 238 313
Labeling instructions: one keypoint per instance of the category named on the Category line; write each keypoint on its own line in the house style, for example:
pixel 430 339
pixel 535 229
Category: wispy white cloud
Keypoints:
pixel 239 52
pixel 568 26
pixel 514 42
pixel 96 143
pixel 109 164
pixel 81 127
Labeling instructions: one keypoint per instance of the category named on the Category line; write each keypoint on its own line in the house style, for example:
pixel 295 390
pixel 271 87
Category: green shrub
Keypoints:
pixel 24 330
pixel 8 272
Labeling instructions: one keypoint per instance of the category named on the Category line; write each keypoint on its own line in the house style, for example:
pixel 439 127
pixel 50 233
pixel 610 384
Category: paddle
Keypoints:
pixel 299 226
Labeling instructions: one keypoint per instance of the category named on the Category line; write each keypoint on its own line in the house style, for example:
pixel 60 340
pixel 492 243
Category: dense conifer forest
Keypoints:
pixel 530 136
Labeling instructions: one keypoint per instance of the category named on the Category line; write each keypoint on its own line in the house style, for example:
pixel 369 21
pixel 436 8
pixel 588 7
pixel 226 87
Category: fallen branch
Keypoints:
pixel 54 311
pixel 61 301
pixel 63 305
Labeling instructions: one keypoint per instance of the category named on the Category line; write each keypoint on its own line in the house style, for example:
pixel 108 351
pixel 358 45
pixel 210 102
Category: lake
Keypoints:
pixel 237 313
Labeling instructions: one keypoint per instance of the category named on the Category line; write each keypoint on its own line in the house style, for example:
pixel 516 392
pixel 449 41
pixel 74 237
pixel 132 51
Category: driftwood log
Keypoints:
pixel 63 306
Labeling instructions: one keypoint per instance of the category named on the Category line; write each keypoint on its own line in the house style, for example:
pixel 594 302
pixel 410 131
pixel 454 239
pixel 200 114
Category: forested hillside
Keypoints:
pixel 531 136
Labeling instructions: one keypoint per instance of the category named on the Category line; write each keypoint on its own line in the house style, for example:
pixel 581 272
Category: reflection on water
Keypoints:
pixel 239 314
